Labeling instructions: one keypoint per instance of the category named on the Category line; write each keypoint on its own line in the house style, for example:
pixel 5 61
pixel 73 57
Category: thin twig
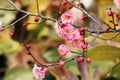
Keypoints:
pixel 37 7
pixel 93 40
pixel 52 64
pixel 30 14
pixel 90 16
pixel 15 21
pixel 32 55
pixel 8 9
pixel 114 36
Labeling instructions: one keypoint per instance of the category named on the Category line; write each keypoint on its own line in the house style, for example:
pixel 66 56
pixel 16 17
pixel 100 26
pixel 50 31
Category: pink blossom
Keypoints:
pixel 63 49
pixel 38 72
pixel 66 31
pixel 117 3
pixel 75 42
pixel 1 25
pixel 57 27
pixel 76 39
pixel 68 17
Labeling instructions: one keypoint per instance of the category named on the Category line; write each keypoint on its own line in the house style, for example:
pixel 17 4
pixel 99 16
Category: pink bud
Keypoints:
pixel 107 28
pixel 45 69
pixel 110 12
pixel 36 19
pixel 11 33
pixel 88 60
pixel 83 17
pixel 82 39
pixel 116 24
pixel 84 46
pixel 28 53
pixel 111 21
pixel 28 46
pixel 25 24
pixel 62 63
pixel 82 29
pixel 1 25
pixel 64 3
pixel 63 25
pixel 80 59
pixel 70 6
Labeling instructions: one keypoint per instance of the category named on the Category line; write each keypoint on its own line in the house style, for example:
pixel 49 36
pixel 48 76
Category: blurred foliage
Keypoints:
pixel 8 45
pixel 115 72
pixel 104 52
pixel 19 73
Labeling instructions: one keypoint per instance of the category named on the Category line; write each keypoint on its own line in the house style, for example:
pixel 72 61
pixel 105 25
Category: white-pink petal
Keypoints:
pixel 68 17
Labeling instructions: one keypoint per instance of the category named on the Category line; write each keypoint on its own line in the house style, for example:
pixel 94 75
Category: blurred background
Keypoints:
pixel 15 64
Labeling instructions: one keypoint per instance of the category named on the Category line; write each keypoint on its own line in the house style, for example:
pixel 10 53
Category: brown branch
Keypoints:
pixel 32 55
pixel 53 64
pixel 37 7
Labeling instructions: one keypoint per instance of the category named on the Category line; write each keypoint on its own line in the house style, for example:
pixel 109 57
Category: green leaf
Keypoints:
pixel 104 52
pixel 109 35
pixel 19 73
pixel 115 72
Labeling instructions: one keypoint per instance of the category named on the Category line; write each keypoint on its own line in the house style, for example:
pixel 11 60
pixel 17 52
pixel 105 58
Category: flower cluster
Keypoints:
pixel 39 73
pixel 75 36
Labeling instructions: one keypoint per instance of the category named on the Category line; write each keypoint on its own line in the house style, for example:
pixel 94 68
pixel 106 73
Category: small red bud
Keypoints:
pixel 25 24
pixel 107 28
pixel 111 21
pixel 36 19
pixel 84 46
pixel 110 12
pixel 11 33
pixel 76 4
pixel 70 6
pixel 64 3
pixel 83 17
pixel 28 46
pixel 82 29
pixel 34 60
pixel 62 63
pixel 80 59
pixel 45 69
pixel 63 25
pixel 118 16
pixel 88 60
pixel 28 53
pixel 116 24
pixel 82 33
pixel 82 39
